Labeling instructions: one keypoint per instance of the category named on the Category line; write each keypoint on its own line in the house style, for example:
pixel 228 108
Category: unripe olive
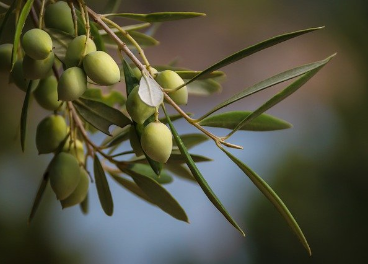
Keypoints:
pixel 46 93
pixel 138 110
pixel 72 84
pixel 77 49
pixel 134 141
pixel 37 44
pixel 37 69
pixel 51 131
pixel 80 193
pixel 101 68
pixel 76 149
pixel 5 57
pixel 59 16
pixel 156 141
pixel 17 76
pixel 169 80
pixel 64 175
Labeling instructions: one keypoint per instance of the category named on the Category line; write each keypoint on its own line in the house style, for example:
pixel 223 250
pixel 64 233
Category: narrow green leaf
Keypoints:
pixel 103 188
pixel 142 39
pixel 97 38
pixel 159 16
pixel 231 119
pixel 180 158
pixel 6 17
pixel 135 27
pixel 84 206
pixel 145 170
pixel 276 79
pixel 131 80
pixel 279 97
pixel 40 192
pixel 181 171
pixel 159 195
pixel 112 6
pixel 173 118
pixel 24 115
pixel 118 138
pixel 60 41
pixel 253 49
pixel 132 187
pixel 272 197
pixel 186 74
pixel 200 179
pixel 100 115
pixel 192 140
pixel 204 87
pixel 111 99
pixel 19 28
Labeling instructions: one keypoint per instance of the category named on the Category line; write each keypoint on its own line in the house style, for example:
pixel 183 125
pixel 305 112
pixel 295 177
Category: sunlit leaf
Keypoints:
pixel 272 197
pixel 100 115
pixel 159 195
pixel 103 188
pixel 159 16
pixel 200 179
pixel 231 119
pixel 24 115
pixel 149 90
pixel 251 50
pixel 40 192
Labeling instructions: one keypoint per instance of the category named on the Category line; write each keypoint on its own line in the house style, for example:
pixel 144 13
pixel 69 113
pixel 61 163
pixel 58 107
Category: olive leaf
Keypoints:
pixel 112 98
pixel 19 28
pixel 100 115
pixel 272 197
pixel 180 159
pixel 143 169
pixel 158 17
pixel 199 178
pixel 191 140
pixel 60 41
pixel 204 87
pixel 6 17
pixel 159 195
pixel 40 192
pixel 84 205
pixel 231 119
pixel 149 90
pixel 24 115
pixel 142 39
pixel 186 74
pixel 131 80
pixel 181 171
pixel 103 188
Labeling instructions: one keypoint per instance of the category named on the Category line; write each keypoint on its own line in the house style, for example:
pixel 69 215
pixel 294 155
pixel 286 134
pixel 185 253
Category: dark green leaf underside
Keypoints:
pixel 146 170
pixel 24 115
pixel 37 200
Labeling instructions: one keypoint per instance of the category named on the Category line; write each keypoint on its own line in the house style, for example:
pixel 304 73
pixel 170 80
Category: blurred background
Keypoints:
pixel 319 167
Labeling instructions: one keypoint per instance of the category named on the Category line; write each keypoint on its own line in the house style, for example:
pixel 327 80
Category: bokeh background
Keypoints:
pixel 319 167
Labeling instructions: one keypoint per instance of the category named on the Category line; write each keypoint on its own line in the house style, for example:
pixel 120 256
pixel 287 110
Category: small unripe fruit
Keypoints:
pixel 51 131
pixel 72 84
pixel 37 69
pixel 134 141
pixel 64 175
pixel 76 149
pixel 37 44
pixel 169 80
pixel 80 193
pixel 77 49
pixel 17 76
pixel 101 68
pixel 59 16
pixel 138 110
pixel 156 141
pixel 5 57
pixel 46 93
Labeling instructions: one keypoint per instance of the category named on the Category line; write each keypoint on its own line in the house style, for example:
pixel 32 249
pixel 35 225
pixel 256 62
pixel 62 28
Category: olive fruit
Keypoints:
pixel 64 175
pixel 138 110
pixel 17 76
pixel 59 16
pixel 37 44
pixel 169 80
pixel 156 141
pixel 72 84
pixel 77 49
pixel 5 57
pixel 101 68
pixel 134 141
pixel 37 69
pixel 76 149
pixel 51 131
pixel 80 192
pixel 46 93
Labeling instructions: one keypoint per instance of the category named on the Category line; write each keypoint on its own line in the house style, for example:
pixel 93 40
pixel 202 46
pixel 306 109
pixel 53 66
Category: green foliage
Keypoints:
pixel 79 42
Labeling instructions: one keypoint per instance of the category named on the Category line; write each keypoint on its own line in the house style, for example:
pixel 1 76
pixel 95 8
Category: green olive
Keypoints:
pixel 51 131
pixel 64 175
pixel 72 84
pixel 169 80
pixel 138 110
pixel 156 141
pixel 59 16
pixel 76 149
pixel 37 69
pixel 101 68
pixel 134 141
pixel 80 193
pixel 77 49
pixel 37 44
pixel 5 57
pixel 17 76
pixel 46 93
